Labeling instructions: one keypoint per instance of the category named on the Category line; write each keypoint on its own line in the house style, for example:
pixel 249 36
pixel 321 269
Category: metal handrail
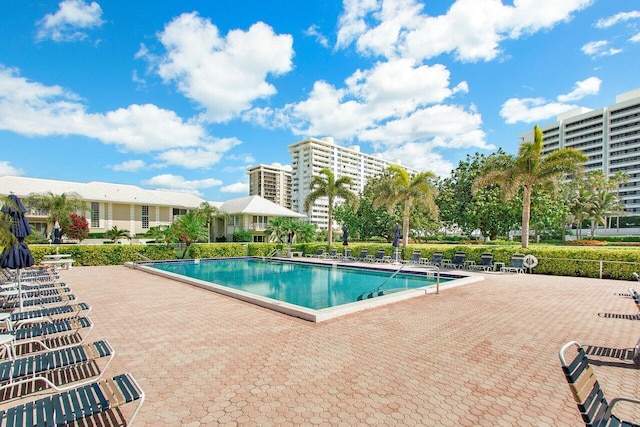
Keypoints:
pixel 142 256
pixel 272 253
pixel 390 277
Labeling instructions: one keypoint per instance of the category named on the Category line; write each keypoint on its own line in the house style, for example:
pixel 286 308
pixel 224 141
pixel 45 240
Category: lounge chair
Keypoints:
pixel 318 254
pixel 436 260
pixel 12 294
pixel 415 258
pixel 456 262
pixel 361 257
pixel 486 262
pixel 43 335
pixel 40 302
pixel 377 257
pixel 347 254
pixel 333 254
pixel 73 405
pixel 42 315
pixel 516 265
pixel 41 367
pixel 586 391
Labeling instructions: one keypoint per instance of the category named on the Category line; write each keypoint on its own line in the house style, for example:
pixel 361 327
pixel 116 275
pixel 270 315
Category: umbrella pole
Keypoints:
pixel 19 290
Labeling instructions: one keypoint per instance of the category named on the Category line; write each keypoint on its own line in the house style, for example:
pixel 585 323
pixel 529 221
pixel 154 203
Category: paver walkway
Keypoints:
pixel 480 354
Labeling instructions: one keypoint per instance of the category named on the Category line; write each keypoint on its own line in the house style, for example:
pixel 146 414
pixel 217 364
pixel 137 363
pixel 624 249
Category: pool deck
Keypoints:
pixel 485 353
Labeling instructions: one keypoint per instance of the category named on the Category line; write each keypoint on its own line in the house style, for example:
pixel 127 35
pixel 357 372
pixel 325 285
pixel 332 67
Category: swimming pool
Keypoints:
pixel 308 290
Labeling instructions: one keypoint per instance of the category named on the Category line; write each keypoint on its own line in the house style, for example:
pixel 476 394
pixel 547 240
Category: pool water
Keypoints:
pixel 308 285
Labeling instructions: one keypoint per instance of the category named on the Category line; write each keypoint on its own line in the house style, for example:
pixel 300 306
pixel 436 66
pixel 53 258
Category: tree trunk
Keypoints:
pixel 405 224
pixel 526 212
pixel 330 225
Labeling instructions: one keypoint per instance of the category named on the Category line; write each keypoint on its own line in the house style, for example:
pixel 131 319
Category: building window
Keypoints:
pixel 178 212
pixel 95 214
pixel 145 217
pixel 234 220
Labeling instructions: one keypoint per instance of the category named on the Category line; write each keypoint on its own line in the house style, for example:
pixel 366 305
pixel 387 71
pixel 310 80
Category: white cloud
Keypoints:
pixel 531 110
pixel 69 21
pixel 599 48
pixel 635 39
pixel 178 183
pixel 471 30
pixel 312 31
pixel 618 17
pixel 236 188
pixel 590 86
pixel 7 169
pixel 129 166
pixel 392 104
pixel 202 156
pixel 390 90
pixel 224 75
pixel 33 109
pixel 420 157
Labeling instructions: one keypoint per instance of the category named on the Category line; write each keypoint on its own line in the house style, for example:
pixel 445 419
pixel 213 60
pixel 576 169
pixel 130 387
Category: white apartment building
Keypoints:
pixel 273 182
pixel 609 136
pixel 311 155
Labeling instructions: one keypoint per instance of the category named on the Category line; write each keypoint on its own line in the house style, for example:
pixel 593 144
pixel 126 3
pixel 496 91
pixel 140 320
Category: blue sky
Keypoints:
pixel 185 95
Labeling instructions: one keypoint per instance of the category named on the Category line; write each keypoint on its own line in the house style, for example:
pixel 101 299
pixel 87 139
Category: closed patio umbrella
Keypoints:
pixel 17 255
pixel 57 233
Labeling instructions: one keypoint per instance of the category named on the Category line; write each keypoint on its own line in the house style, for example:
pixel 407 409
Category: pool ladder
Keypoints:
pixel 378 292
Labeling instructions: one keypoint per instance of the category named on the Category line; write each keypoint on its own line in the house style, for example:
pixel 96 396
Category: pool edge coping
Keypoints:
pixel 316 316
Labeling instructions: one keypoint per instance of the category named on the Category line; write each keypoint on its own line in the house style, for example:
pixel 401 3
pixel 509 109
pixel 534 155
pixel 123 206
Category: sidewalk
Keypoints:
pixel 479 354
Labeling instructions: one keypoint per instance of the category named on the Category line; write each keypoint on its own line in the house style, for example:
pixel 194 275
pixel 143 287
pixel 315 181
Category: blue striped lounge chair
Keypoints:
pixel 43 315
pixel 415 258
pixel 594 408
pixel 362 256
pixel 42 367
pixel 47 335
pixel 457 261
pixel 516 265
pixel 486 262
pixel 71 406
pixel 436 260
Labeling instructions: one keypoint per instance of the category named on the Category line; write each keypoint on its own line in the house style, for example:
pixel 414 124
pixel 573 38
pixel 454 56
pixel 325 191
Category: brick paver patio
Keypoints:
pixel 480 354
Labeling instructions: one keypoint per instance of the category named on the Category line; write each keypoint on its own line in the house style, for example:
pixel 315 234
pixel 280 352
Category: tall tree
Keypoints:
pixel 529 170
pixel 59 206
pixel 400 189
pixel 482 210
pixel 326 185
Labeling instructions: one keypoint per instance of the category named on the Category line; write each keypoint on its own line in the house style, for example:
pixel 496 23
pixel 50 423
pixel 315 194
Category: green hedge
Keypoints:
pixel 617 263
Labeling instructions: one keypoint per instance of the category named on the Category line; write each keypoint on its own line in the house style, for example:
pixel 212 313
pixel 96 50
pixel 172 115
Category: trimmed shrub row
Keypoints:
pixel 611 263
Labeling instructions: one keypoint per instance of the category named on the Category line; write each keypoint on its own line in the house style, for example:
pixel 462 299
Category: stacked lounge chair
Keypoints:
pixel 41 345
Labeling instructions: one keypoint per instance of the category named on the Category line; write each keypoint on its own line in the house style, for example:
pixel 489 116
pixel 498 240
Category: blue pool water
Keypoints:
pixel 307 285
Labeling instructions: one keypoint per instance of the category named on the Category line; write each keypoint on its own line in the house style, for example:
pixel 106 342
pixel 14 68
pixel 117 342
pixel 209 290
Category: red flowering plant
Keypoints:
pixel 78 227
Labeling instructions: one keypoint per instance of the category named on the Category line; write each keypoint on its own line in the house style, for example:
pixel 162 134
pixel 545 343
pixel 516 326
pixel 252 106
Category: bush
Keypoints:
pixel 587 243
pixel 242 236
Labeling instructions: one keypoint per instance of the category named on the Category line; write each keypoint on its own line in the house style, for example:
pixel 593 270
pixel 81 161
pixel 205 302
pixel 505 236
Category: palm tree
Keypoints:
pixel 209 213
pixel 190 228
pixel 59 206
pixel 529 170
pixel 399 188
pixel 603 204
pixel 276 229
pixel 325 185
pixel 116 234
